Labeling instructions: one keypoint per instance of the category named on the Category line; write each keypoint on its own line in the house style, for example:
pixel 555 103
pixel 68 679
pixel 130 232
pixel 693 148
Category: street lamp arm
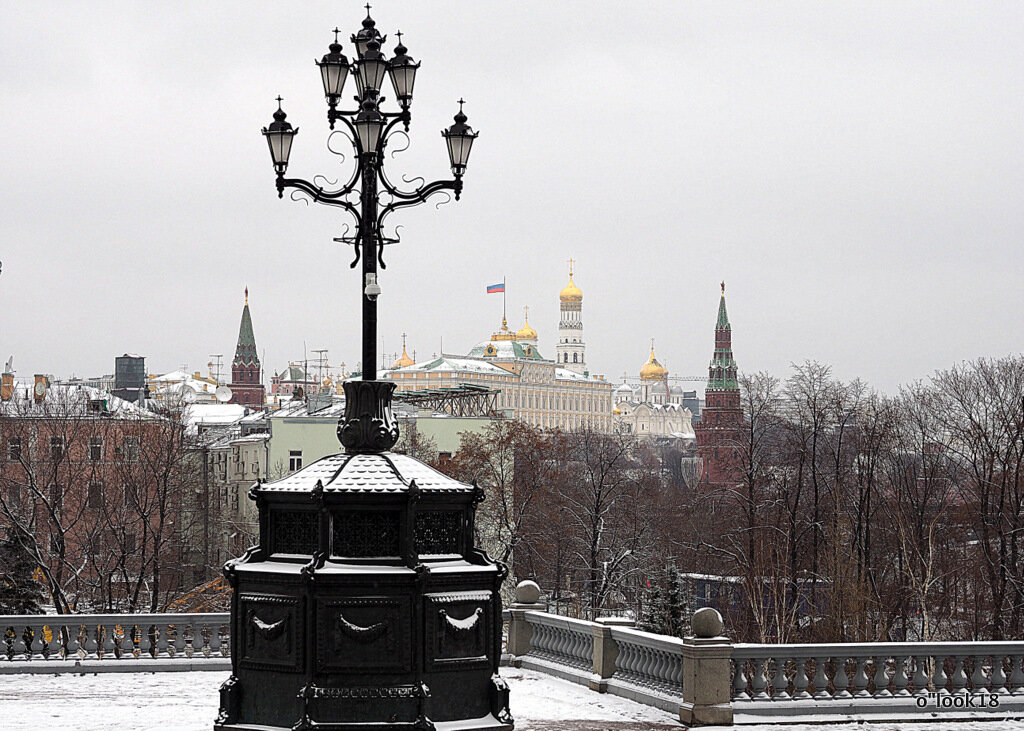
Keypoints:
pixel 405 200
pixel 319 195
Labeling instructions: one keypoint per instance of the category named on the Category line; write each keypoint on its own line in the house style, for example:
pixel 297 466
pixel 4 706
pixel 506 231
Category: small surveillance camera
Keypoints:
pixel 372 289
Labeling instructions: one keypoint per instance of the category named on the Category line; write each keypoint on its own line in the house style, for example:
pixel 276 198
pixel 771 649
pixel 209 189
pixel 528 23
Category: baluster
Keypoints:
pixel 179 639
pixel 189 632
pixel 921 675
pixel 60 639
pixel 999 675
pixel 677 673
pixel 215 639
pixel 881 678
pixel 22 651
pixel 779 689
pixel 209 634
pixel 821 679
pixel 147 638
pixel 939 677
pixel 739 679
pixel 561 640
pixel 205 637
pixel 959 679
pixel 641 668
pixel 39 644
pixel 800 679
pixel 652 668
pixel 860 679
pixel 225 640
pixel 899 678
pixel 91 641
pixel 128 632
pixel 979 681
pixel 841 680
pixel 163 640
pixel 106 633
pixel 760 681
pixel 557 643
pixel 1016 681
pixel 631 662
pixel 658 670
pixel 664 671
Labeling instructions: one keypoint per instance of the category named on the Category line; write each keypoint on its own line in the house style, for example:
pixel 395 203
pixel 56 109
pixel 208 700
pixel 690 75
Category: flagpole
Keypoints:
pixel 504 313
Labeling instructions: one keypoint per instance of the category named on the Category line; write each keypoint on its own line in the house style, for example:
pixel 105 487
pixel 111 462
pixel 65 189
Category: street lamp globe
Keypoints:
pixel 279 137
pixel 368 123
pixel 367 34
pixel 460 138
pixel 370 68
pixel 334 71
pixel 402 69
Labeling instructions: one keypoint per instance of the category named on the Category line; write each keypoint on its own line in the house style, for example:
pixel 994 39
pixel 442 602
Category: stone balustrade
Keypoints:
pixel 92 642
pixel 704 678
pixel 883 679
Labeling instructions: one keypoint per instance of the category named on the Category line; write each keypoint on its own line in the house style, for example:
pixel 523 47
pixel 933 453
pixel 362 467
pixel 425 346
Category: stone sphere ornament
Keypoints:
pixel 706 623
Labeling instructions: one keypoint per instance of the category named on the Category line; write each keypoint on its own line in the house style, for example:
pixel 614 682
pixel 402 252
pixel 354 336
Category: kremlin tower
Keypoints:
pixel 246 378
pixel 571 348
pixel 720 430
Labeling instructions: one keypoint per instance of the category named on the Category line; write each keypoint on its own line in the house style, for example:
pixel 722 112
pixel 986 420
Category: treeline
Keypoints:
pixel 851 515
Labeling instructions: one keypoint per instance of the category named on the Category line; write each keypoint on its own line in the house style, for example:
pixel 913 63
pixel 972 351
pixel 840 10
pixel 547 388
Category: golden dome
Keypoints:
pixel 653 370
pixel 405 360
pixel 571 293
pixel 526 332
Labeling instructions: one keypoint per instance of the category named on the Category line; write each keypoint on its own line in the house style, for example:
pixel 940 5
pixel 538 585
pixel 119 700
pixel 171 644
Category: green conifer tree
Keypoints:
pixel 19 592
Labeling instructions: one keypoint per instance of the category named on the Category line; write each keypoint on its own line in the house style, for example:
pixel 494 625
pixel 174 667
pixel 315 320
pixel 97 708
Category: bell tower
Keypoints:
pixel 571 349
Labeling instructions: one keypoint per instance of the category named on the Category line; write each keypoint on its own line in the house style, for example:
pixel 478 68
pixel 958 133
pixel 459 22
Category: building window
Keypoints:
pixel 295 460
pixel 131 449
pixel 574 356
pixel 14 448
pixel 95 499
pixel 95 449
pixel 56 448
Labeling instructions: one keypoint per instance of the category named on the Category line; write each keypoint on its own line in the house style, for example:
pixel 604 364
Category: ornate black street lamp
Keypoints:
pixel 369 197
pixel 366 604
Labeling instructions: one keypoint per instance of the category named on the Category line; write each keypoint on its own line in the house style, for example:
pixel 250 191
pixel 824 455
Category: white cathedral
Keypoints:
pixel 654 408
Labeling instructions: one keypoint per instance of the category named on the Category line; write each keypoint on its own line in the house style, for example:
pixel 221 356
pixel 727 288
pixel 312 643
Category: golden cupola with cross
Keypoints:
pixel 526 334
pixel 405 361
pixel 652 370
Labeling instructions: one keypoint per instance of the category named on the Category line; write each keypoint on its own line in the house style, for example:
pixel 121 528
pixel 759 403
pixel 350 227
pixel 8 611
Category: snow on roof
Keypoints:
pixel 564 374
pixel 455 365
pixel 207 415
pixel 61 399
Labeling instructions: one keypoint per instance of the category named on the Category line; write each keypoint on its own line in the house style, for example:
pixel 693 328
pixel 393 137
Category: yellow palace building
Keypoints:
pixel 546 393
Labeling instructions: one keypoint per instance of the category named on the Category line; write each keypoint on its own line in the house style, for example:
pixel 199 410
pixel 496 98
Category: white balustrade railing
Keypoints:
pixel 648 667
pixel 891 678
pixel 561 645
pixel 67 639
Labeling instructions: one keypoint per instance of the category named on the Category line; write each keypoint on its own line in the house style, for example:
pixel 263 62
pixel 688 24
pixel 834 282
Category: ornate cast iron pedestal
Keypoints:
pixel 365 604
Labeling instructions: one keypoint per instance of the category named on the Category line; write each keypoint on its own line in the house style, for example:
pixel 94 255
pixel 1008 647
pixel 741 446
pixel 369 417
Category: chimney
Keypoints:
pixel 7 387
pixel 39 390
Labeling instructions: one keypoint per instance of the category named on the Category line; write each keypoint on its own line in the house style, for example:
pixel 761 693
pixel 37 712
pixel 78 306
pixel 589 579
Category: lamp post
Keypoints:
pixel 369 197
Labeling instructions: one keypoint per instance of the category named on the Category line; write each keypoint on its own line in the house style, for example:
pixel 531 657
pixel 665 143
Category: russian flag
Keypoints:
pixel 495 288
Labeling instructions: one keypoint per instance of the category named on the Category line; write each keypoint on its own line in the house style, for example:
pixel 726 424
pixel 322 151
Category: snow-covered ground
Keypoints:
pixel 188 702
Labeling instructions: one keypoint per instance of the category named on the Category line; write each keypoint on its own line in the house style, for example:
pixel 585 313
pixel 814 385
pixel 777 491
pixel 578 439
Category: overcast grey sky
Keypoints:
pixel 854 171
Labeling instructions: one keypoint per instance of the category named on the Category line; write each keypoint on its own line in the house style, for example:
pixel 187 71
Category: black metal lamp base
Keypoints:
pixel 369 425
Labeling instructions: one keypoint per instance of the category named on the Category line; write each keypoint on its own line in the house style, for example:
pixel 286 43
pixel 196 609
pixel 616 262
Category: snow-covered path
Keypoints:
pixel 188 702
